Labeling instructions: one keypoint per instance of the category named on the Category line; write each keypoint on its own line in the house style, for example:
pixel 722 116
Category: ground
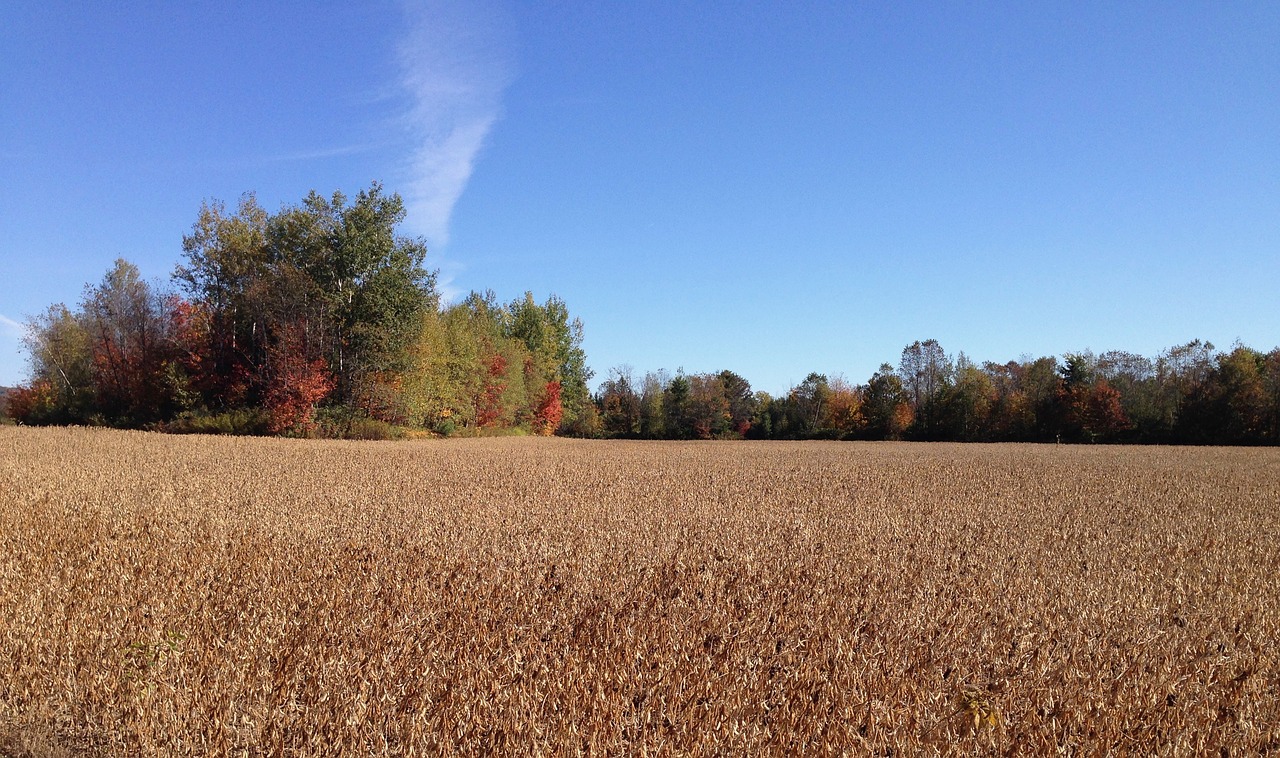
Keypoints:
pixel 205 595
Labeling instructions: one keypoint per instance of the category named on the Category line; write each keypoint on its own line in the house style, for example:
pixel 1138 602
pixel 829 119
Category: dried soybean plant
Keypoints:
pixel 202 595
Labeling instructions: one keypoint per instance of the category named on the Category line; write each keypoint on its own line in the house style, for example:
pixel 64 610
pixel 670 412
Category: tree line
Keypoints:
pixel 319 319
pixel 1189 394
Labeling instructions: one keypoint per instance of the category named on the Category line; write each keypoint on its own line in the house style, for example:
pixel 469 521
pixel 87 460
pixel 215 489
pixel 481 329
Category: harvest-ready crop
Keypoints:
pixel 231 596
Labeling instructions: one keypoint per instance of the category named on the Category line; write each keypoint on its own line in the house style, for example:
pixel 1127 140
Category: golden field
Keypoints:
pixel 231 596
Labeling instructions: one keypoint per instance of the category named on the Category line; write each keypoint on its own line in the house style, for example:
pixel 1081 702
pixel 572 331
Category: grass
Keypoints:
pixel 212 595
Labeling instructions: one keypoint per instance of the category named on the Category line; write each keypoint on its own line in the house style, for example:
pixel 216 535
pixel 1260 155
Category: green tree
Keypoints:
pixel 554 343
pixel 765 417
pixel 370 279
pixel 61 389
pixel 620 404
pixel 1180 372
pixel 887 405
pixel 653 416
pixel 965 404
pixel 925 370
pixel 808 405
pixel 431 388
pixel 1271 385
pixel 741 401
pixel 225 260
pixel 571 360
pixel 337 271
pixel 1230 406
pixel 675 405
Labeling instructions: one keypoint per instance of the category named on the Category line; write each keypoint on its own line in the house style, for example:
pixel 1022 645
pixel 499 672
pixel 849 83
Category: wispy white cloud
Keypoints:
pixel 455 64
pixel 447 272
pixel 322 153
pixel 10 328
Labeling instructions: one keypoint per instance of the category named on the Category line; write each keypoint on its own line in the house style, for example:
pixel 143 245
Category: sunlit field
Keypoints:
pixel 166 595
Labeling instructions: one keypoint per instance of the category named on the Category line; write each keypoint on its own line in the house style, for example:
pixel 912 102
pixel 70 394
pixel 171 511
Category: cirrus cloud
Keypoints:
pixel 11 328
pixel 455 64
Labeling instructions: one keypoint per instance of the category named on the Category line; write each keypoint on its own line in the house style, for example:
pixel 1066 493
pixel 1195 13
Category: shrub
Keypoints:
pixel 365 428
pixel 241 421
pixel 341 422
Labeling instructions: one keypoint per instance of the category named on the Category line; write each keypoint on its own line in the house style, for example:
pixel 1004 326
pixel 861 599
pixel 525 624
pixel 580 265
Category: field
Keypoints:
pixel 231 596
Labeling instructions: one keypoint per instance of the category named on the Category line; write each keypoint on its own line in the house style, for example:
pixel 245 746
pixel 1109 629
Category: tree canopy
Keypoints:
pixel 1190 394
pixel 319 318
pixel 322 319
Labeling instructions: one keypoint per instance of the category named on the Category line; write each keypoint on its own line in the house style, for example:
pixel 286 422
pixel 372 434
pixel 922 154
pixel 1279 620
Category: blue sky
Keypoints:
pixel 773 188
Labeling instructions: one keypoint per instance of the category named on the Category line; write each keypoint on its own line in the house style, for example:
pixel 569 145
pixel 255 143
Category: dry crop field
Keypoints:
pixel 229 596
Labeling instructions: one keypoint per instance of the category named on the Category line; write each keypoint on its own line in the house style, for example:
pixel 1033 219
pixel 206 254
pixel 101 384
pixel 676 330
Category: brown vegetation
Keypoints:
pixel 205 595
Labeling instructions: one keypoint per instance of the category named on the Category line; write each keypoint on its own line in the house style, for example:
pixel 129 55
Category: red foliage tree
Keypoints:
pixel 489 403
pixel 213 368
pixel 31 405
pixel 1107 416
pixel 1093 412
pixel 129 378
pixel 190 326
pixel 293 384
pixel 550 411
pixel 130 346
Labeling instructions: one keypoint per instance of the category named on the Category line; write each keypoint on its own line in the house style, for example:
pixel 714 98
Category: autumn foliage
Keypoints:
pixel 1189 394
pixel 36 401
pixel 317 320
pixel 294 385
pixel 1092 412
pixel 321 320
pixel 550 410
pixel 489 400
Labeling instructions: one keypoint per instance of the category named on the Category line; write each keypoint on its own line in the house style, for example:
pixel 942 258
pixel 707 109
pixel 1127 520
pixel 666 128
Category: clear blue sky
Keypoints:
pixel 773 188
